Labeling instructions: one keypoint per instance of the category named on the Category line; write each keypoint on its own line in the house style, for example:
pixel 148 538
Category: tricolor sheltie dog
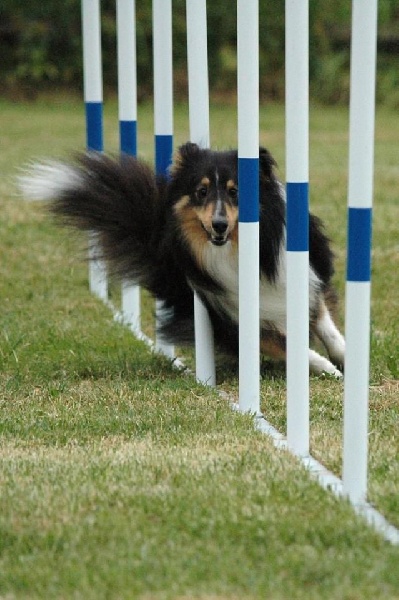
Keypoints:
pixel 180 234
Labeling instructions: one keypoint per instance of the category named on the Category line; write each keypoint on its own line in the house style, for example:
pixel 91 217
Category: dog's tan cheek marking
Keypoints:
pixel 191 227
pixel 232 214
pixel 181 204
pixel 232 218
pixel 205 215
pixel 234 236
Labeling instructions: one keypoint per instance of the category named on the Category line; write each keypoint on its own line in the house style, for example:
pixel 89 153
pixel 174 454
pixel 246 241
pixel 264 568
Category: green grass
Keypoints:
pixel 122 478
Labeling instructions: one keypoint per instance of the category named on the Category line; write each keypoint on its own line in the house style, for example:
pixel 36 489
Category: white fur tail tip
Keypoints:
pixel 48 180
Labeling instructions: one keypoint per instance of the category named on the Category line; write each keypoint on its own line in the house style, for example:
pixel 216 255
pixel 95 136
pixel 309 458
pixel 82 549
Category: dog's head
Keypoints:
pixel 204 186
pixel 205 193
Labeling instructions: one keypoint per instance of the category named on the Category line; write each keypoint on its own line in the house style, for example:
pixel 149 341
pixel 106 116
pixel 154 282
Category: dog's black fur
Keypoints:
pixel 167 235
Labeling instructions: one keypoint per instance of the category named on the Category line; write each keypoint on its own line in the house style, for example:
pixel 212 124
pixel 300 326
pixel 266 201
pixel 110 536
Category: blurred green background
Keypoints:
pixel 40 48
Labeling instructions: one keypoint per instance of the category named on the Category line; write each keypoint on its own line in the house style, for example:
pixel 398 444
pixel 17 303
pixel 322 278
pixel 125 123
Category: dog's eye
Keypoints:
pixel 233 192
pixel 202 192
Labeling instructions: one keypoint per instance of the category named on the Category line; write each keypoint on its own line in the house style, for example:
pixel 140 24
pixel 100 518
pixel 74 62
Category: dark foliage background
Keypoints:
pixel 40 47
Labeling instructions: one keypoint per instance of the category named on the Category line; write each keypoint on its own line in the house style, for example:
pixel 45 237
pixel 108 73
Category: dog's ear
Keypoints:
pixel 266 163
pixel 185 156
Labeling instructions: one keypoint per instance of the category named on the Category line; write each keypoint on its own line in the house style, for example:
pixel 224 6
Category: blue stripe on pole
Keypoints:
pixel 359 244
pixel 128 137
pixel 248 182
pixel 94 126
pixel 297 217
pixel 163 153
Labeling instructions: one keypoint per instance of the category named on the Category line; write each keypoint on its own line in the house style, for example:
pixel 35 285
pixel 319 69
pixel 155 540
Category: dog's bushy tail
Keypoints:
pixel 118 199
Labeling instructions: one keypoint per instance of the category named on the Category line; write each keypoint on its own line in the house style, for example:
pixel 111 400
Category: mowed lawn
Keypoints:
pixel 121 477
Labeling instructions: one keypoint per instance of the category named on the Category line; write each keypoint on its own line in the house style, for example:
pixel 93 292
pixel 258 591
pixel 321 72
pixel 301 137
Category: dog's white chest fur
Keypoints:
pixel 222 264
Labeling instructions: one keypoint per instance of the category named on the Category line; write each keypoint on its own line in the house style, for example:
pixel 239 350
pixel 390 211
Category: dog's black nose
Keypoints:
pixel 219 225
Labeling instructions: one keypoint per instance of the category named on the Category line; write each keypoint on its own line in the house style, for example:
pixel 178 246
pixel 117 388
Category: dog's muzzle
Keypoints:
pixel 219 233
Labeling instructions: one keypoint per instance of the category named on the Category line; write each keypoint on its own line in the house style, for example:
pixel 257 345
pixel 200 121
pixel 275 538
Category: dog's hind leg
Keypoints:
pixel 273 344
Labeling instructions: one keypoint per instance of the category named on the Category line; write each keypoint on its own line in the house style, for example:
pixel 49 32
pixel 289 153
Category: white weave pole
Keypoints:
pixel 297 176
pixel 163 109
pixel 127 105
pixel 93 98
pixel 248 181
pixel 360 199
pixel 198 87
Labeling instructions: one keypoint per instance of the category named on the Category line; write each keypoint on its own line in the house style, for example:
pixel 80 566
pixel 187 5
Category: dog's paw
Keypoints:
pixel 319 365
pixel 338 374
pixel 331 374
